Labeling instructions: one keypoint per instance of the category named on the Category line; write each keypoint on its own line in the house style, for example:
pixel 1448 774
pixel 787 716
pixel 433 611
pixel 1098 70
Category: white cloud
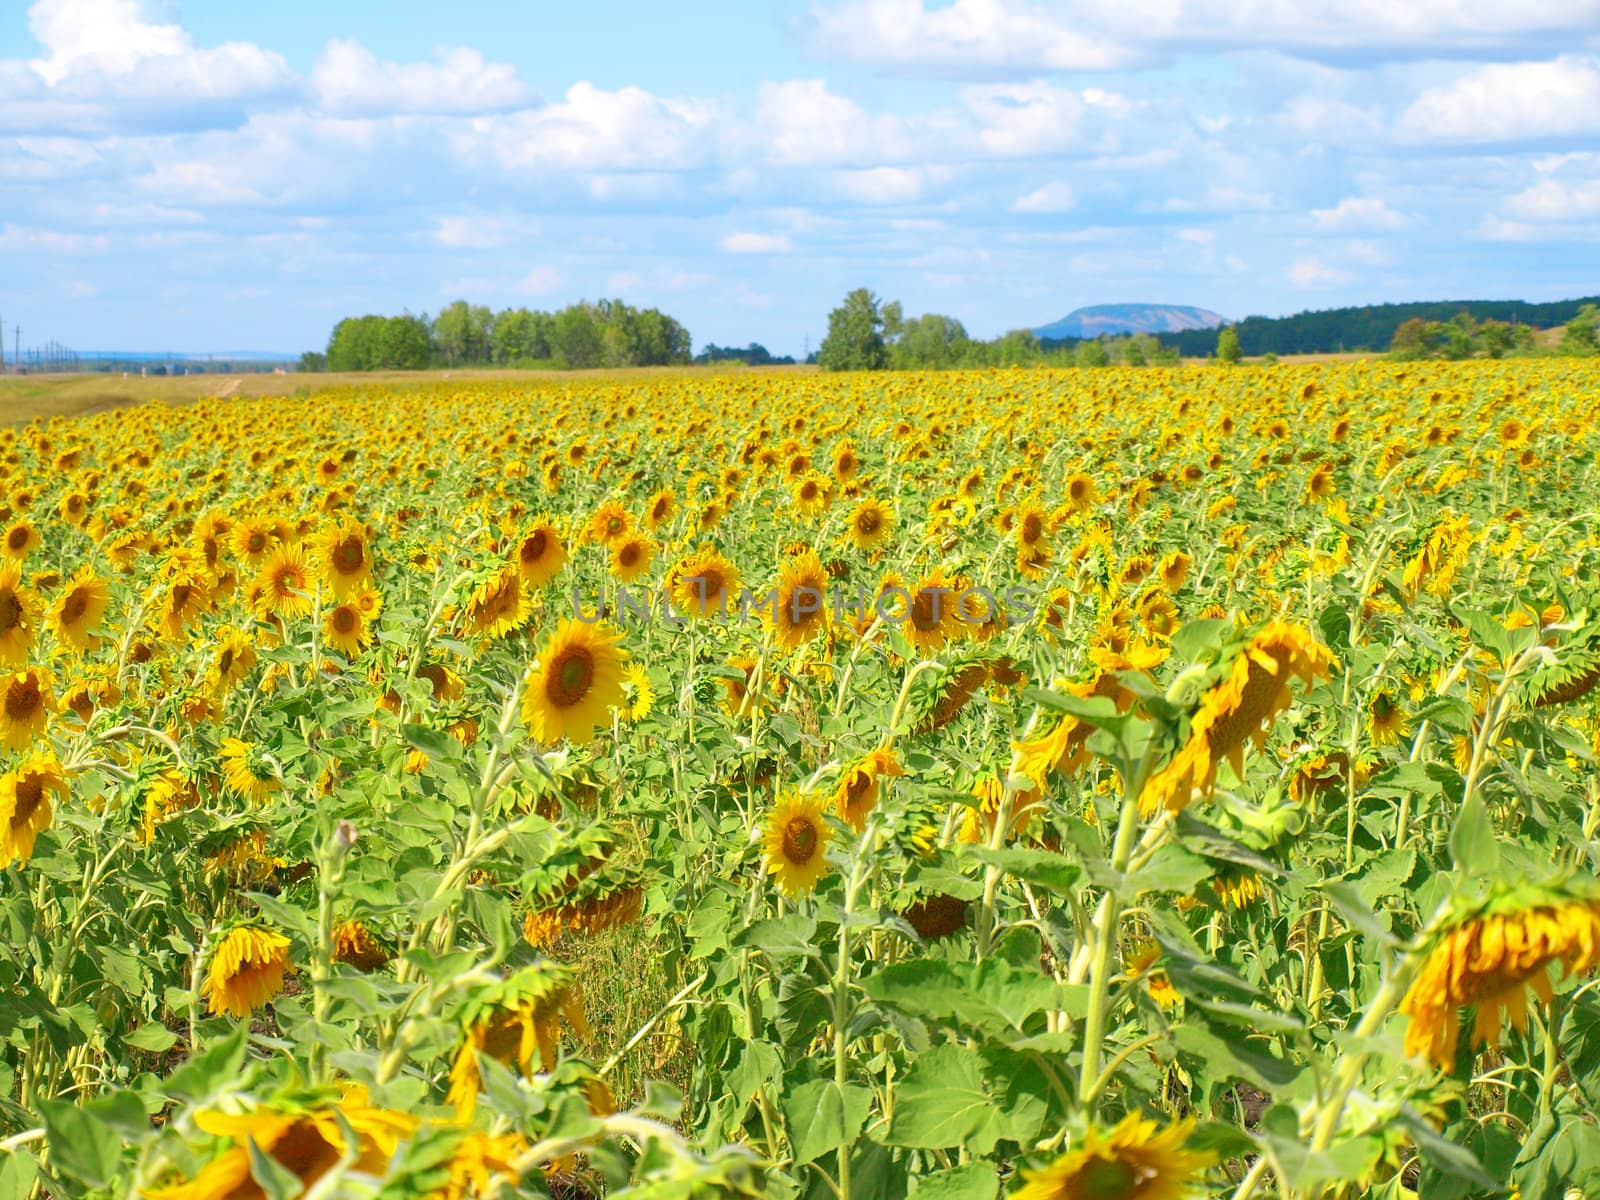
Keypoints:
pixel 19 238
pixel 1507 102
pixel 1557 200
pixel 756 243
pixel 1028 119
pixel 593 130
pixel 541 280
pixel 967 34
pixel 1314 273
pixel 352 81
pixel 800 123
pixel 481 232
pixel 888 185
pixel 1054 197
pixel 1357 213
pixel 983 36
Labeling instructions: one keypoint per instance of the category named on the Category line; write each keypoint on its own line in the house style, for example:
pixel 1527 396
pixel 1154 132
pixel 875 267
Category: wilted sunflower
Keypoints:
pixel 796 843
pixel 246 970
pixel 540 553
pixel 26 703
pixel 285 583
pixel 860 784
pixel 355 944
pixel 592 907
pixel 26 806
pixel 1238 709
pixel 498 607
pixel 1490 959
pixel 511 1022
pixel 799 610
pixel 871 524
pixel 576 681
pixel 1132 1162
pixel 306 1142
pixel 704 584
pixel 343 556
pixel 246 772
pixel 19 616
pixel 77 612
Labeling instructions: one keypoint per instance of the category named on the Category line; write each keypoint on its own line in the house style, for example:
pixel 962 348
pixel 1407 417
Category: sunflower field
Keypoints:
pixel 1064 785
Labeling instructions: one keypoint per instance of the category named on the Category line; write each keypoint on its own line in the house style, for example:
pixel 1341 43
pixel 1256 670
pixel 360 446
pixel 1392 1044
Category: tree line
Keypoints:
pixel 1464 337
pixel 602 333
pixel 866 334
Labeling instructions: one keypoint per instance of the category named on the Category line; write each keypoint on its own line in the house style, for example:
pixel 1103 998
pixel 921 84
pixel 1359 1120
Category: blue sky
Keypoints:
pixel 209 176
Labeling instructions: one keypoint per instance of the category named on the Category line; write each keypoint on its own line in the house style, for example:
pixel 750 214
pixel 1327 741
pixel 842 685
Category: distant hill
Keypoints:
pixel 1097 319
pixel 1369 327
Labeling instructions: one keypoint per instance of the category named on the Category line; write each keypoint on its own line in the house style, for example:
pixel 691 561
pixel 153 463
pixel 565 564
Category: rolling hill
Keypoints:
pixel 1100 319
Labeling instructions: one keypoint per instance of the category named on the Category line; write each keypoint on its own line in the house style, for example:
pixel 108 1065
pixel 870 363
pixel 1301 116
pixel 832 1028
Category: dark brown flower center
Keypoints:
pixel 349 556
pixel 571 676
pixel 799 840
pixel 23 700
pixel 534 546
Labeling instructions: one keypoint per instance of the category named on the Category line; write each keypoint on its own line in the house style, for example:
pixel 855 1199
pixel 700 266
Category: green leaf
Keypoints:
pixel 204 1074
pixel 991 998
pixel 1473 846
pixel 821 1116
pixel 275 1179
pixel 81 1145
pixel 435 743
pixel 1055 873
pixel 975 1181
pixel 780 937
pixel 947 1099
pixel 154 1037
pixel 1091 710
pixel 760 1063
pixel 1172 869
pixel 1355 910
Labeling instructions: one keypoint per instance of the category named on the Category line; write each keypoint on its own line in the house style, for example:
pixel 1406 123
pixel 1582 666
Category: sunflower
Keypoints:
pixel 482 1164
pixel 1239 708
pixel 576 680
pixel 639 697
pixel 934 615
pixel 168 794
pixel 846 462
pixel 26 703
pixel 19 616
pixel 1082 493
pixel 1061 749
pixel 1237 887
pixel 510 1023
pixel 20 539
pixel 235 658
pixel 658 510
pixel 859 786
pixel 541 553
pixel 630 557
pixel 1174 570
pixel 1141 956
pixel 246 970
pixel 703 584
pixel 811 495
pixel 499 606
pixel 285 583
pixel 587 911
pixel 246 772
pixel 1386 720
pixel 1131 1162
pixel 306 1143
pixel 799 610
pixel 26 806
pixel 871 524
pixel 345 628
pixel 79 609
pixel 254 537
pixel 978 820
pixel 186 593
pixel 796 842
pixel 1028 526
pixel 343 557
pixel 1488 961
pixel 354 943
pixel 609 524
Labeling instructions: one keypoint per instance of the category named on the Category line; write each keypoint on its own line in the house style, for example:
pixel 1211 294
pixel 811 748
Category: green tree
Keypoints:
pixel 578 340
pixel 1228 351
pixel 1582 335
pixel 855 336
pixel 313 360
pixel 1092 353
pixel 462 333
pixel 929 342
pixel 1496 338
pixel 403 344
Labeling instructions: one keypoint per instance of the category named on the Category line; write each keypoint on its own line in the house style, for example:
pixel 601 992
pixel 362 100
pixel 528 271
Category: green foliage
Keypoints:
pixel 855 340
pixel 1228 351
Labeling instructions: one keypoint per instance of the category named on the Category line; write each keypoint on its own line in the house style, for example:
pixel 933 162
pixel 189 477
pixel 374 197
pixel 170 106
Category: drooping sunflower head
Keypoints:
pixel 29 796
pixel 511 1022
pixel 246 970
pixel 247 772
pixel 576 681
pixel 498 607
pixel 860 785
pixel 796 843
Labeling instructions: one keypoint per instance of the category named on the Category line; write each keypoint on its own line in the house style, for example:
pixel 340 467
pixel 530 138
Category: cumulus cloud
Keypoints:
pixel 352 81
pixel 1358 213
pixel 541 280
pixel 979 36
pixel 1510 102
pixel 756 243
pixel 1053 197
pixel 1314 273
